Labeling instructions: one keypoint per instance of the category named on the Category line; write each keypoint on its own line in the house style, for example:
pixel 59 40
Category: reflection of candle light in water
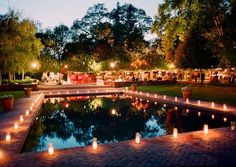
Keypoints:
pixel 205 129
pixel 113 111
pixel 95 144
pixel 212 116
pixel 225 119
pixel 175 132
pixel 137 138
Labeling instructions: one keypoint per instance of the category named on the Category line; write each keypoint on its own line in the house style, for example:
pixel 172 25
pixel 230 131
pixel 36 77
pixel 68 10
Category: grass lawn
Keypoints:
pixel 16 94
pixel 217 93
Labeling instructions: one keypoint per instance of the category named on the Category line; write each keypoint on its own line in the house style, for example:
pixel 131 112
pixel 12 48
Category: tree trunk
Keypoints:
pixel 10 76
pixel 23 75
pixel 14 76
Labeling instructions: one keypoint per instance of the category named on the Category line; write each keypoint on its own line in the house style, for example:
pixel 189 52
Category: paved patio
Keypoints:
pixel 189 149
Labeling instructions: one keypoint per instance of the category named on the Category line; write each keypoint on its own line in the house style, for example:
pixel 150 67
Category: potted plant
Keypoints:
pixel 28 91
pixel 186 92
pixel 7 102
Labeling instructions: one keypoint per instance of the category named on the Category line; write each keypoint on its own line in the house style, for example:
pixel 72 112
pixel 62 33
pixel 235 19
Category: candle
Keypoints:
pixel 176 98
pixel 199 102
pixel 16 126
pixel 205 129
pixel 175 132
pixel 137 138
pixel 212 104
pixel 232 125
pixel 113 111
pixel 225 119
pixel 8 137
pixel 94 143
pixel 21 118
pixel 187 101
pixel 164 96
pixel 224 106
pixel 50 149
pixel 199 114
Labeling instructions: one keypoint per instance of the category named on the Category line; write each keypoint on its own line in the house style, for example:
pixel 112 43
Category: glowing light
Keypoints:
pixel 176 98
pixel 187 110
pixel 16 126
pixel 67 92
pixel 155 103
pixel 232 125
pixel 212 104
pixel 21 118
pixel 187 101
pixel 225 119
pixel 27 112
pixel 171 66
pixel 94 143
pixel 147 101
pixel 155 95
pixel 137 138
pixel 77 91
pixel 212 116
pixel 31 108
pixel 175 132
pixel 50 149
pixel 112 64
pixel 199 114
pixel 147 94
pixel 113 111
pixel 205 129
pixel 164 105
pixel 224 106
pixel 164 96
pixel 50 93
pixel 34 65
pixel 88 91
pixel 8 137
pixel 176 108
pixel 199 102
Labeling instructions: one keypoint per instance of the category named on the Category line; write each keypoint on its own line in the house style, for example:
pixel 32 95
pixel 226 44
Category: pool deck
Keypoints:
pixel 218 148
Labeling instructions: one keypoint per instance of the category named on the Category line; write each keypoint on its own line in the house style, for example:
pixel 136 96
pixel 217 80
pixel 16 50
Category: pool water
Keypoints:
pixel 74 121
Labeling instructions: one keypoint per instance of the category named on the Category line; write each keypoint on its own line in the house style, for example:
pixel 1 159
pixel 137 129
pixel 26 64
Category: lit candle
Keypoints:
pixel 164 105
pixel 232 125
pixel 155 95
pixel 199 102
pixel 176 108
pixel 147 94
pixel 212 104
pixel 225 119
pixel 176 98
pixel 27 112
pixel 212 116
pixel 175 132
pixel 224 106
pixel 187 101
pixel 187 110
pixel 205 129
pixel 164 96
pixel 95 144
pixel 8 137
pixel 16 126
pixel 137 138
pixel 155 103
pixel 50 149
pixel 21 118
pixel 199 114
pixel 147 101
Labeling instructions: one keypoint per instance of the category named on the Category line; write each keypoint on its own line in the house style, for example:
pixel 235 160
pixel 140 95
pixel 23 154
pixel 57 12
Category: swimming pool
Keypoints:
pixel 73 121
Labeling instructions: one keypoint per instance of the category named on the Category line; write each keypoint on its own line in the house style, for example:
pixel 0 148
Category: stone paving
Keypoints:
pixel 217 148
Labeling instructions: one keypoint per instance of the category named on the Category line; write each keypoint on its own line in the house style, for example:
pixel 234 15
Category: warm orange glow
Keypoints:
pixel 16 126
pixel 212 104
pixel 205 129
pixel 137 138
pixel 8 137
pixel 21 118
pixel 199 102
pixel 113 111
pixel 176 98
pixel 187 101
pixel 164 96
pixel 175 132
pixel 112 64
pixel 95 144
pixel 50 149
pixel 27 112
pixel 225 119
pixel 224 106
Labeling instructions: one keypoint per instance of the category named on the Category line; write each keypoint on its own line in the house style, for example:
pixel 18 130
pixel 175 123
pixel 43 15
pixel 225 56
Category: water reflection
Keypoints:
pixel 74 121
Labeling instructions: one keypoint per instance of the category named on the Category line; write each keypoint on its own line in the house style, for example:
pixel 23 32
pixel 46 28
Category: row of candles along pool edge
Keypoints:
pixel 137 136
pixel 148 95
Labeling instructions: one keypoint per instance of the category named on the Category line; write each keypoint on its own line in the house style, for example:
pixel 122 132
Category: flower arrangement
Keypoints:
pixel 6 97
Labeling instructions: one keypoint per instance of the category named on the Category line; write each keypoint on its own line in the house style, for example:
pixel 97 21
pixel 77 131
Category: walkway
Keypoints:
pixel 188 149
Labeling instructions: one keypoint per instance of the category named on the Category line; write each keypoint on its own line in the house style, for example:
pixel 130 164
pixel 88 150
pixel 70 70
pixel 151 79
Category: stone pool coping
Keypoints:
pixel 9 153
